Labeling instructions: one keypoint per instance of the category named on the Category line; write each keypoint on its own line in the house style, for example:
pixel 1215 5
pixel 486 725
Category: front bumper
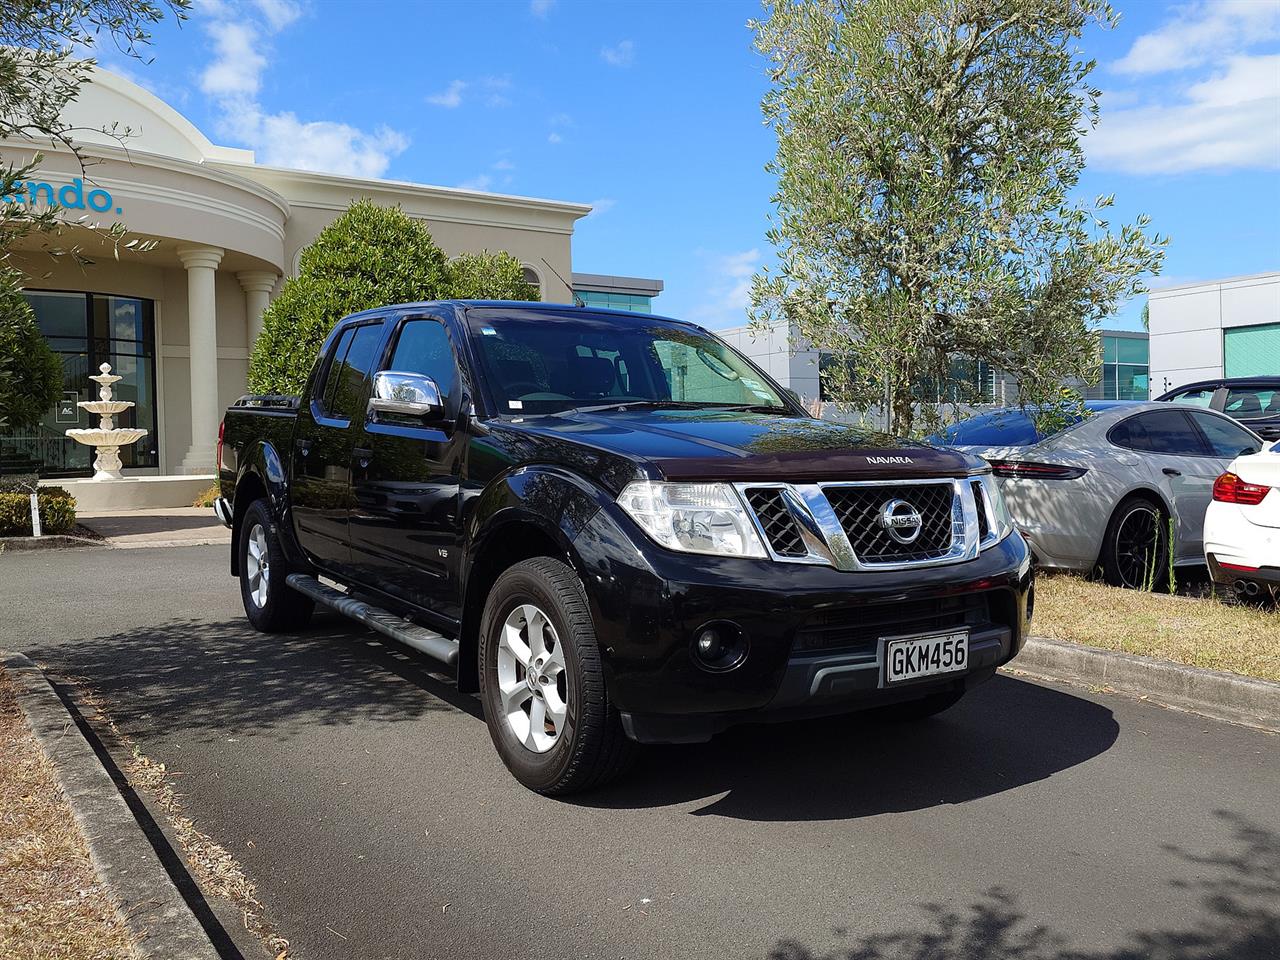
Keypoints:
pixel 814 634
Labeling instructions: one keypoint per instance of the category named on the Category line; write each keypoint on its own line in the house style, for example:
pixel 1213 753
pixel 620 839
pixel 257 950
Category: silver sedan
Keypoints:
pixel 1107 490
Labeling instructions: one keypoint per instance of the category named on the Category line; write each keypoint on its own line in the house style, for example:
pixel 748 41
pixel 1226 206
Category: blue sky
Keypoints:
pixel 651 112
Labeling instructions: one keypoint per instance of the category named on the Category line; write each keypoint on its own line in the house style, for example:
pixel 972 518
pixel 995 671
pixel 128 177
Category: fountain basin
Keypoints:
pixel 119 437
pixel 107 408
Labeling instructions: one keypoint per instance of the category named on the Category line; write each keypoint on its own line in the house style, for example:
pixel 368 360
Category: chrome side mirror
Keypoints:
pixel 406 394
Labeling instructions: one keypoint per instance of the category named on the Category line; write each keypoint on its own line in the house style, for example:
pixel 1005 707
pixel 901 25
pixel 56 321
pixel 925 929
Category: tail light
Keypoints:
pixel 222 426
pixel 1229 488
pixel 1030 470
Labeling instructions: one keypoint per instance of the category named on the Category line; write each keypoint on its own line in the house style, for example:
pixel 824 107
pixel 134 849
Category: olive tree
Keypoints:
pixel 928 156
pixel 369 256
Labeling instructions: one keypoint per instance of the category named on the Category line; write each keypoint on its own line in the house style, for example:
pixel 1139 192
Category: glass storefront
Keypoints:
pixel 87 330
pixel 1125 372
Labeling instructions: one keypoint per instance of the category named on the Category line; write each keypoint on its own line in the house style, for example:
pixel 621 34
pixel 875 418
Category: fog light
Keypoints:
pixel 719 646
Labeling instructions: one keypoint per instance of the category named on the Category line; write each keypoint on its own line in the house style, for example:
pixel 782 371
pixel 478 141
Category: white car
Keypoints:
pixel 1242 525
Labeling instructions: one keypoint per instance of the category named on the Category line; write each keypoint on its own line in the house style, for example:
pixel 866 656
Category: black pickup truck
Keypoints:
pixel 615 529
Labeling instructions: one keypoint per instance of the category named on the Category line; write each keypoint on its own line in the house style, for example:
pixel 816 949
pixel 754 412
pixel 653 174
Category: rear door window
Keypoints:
pixel 1168 432
pixel 1252 403
pixel 1226 439
pixel 330 382
pixel 352 375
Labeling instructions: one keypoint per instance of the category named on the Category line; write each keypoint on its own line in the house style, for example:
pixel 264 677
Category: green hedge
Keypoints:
pixel 57 512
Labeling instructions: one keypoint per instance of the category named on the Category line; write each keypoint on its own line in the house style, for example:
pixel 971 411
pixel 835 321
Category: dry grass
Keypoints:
pixel 1198 631
pixel 207 497
pixel 51 904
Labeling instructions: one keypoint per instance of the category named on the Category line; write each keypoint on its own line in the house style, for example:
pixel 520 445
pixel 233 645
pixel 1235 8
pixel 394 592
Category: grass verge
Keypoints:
pixel 1198 631
pixel 51 903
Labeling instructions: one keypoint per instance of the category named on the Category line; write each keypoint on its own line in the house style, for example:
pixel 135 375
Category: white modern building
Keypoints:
pixel 1221 328
pixel 178 320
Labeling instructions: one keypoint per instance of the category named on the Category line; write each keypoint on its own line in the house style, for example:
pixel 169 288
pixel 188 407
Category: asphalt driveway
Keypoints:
pixel 363 796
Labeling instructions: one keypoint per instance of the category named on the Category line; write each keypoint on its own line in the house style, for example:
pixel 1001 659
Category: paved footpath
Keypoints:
pixel 363 796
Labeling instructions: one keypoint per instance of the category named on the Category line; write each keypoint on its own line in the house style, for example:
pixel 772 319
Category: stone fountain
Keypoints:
pixel 108 438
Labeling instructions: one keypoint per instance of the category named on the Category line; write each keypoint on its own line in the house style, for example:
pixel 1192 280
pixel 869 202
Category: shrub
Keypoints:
pixel 370 256
pixel 57 513
pixel 207 497
pixel 30 372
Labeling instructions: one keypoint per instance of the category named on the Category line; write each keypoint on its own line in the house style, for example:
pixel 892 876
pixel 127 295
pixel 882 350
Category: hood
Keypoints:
pixel 734 445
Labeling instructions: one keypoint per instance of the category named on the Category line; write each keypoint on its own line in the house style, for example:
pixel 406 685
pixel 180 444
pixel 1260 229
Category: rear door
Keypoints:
pixel 1177 458
pixel 320 487
pixel 406 476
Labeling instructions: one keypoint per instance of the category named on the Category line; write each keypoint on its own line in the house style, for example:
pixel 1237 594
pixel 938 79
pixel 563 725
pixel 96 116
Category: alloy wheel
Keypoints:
pixel 1140 547
pixel 532 683
pixel 257 565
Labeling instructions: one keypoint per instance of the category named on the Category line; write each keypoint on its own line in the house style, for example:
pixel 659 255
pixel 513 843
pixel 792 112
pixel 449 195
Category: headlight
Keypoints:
pixel 693 517
pixel 1001 521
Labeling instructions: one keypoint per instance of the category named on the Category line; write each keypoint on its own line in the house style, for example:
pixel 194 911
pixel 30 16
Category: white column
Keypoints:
pixel 257 285
pixel 202 324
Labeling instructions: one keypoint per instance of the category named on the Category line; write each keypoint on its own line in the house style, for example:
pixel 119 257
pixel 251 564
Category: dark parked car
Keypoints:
pixel 616 529
pixel 1254 401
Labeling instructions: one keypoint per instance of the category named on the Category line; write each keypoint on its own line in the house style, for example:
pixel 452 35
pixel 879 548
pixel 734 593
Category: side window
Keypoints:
pixel 1161 431
pixel 1201 398
pixel 351 376
pixel 423 347
pixel 1244 403
pixel 331 370
pixel 1225 438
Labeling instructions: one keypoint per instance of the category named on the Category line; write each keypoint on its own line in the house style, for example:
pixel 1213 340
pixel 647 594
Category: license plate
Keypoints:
pixel 909 658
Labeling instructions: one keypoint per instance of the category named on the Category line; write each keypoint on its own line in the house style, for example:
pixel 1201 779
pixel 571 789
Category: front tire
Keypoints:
pixel 542 686
pixel 1135 548
pixel 269 603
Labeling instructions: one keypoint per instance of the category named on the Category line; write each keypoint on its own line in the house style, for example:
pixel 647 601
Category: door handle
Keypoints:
pixel 363 455
pixel 1170 472
pixel 304 446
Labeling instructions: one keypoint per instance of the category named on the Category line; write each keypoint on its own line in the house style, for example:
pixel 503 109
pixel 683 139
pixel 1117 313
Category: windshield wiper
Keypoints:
pixel 626 404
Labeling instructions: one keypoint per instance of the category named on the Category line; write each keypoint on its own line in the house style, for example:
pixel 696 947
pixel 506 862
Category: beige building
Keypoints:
pixel 178 321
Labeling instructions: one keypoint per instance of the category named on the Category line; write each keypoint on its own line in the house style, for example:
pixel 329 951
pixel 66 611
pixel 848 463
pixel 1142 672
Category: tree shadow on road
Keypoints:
pixel 214 678
pixel 1004 734
pixel 1238 895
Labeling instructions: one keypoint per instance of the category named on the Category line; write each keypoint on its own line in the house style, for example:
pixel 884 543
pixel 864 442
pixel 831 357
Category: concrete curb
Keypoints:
pixel 159 920
pixel 1209 693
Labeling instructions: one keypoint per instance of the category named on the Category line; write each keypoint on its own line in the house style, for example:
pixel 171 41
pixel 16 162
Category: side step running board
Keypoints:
pixel 410 634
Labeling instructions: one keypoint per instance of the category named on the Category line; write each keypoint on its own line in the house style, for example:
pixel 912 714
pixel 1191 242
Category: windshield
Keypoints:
pixel 549 363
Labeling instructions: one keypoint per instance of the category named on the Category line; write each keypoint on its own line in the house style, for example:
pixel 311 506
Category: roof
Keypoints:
pixel 1263 381
pixel 610 283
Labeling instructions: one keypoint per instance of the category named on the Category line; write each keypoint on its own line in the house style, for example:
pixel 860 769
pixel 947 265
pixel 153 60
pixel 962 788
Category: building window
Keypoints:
pixel 1251 351
pixel 1125 374
pixel 615 301
pixel 530 275
pixel 87 330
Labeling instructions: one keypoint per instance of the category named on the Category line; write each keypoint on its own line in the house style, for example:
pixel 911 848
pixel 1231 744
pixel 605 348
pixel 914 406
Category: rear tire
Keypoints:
pixel 541 682
pixel 1135 548
pixel 270 604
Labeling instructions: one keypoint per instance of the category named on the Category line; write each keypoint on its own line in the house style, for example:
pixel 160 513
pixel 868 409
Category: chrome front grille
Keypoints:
pixel 868 525
pixel 859 510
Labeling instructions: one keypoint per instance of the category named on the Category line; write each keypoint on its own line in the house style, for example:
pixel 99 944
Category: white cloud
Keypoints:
pixel 482 182
pixel 450 97
pixel 242 35
pixel 621 55
pixel 503 164
pixel 237 66
pixel 540 8
pixel 278 13
pixel 603 205
pixel 1231 120
pixel 554 137
pixel 1202 33
pixel 728 288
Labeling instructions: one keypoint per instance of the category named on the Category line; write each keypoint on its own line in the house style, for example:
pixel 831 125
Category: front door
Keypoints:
pixel 325 434
pixel 406 475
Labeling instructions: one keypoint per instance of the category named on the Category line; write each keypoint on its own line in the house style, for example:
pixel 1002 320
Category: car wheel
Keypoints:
pixel 542 686
pixel 269 603
pixel 1135 548
pixel 921 709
